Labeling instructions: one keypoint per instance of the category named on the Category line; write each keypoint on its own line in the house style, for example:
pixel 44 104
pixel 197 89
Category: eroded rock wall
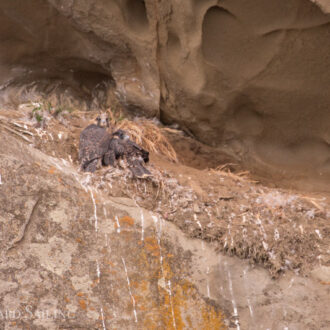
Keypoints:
pixel 79 48
pixel 252 77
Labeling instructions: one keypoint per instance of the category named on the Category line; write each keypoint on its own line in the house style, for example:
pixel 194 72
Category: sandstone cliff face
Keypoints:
pixel 106 251
pixel 251 77
pixel 65 264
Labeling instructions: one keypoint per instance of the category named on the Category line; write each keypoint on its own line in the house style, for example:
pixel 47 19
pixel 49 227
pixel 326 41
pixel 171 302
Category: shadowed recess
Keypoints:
pixel 137 15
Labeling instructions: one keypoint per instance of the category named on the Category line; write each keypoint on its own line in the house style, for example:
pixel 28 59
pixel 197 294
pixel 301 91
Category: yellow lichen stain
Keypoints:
pixel 151 245
pixel 52 170
pixel 212 319
pixel 134 284
pixel 172 303
pixel 128 221
pixel 82 304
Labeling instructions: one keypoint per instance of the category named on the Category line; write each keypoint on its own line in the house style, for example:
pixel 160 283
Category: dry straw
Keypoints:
pixel 225 170
pixel 148 135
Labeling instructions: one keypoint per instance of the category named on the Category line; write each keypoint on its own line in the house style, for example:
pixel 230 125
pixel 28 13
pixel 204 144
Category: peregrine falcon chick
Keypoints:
pixel 122 148
pixel 93 144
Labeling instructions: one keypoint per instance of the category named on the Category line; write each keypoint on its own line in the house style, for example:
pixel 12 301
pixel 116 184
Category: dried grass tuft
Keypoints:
pixel 225 170
pixel 146 134
pixel 315 201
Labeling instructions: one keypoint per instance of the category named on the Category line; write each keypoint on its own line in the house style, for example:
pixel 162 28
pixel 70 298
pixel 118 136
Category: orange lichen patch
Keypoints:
pixel 80 294
pixel 325 283
pixel 212 319
pixel 66 299
pixel 151 245
pixel 143 308
pixel 134 284
pixel 151 240
pixel 173 303
pixel 126 221
pixel 82 304
pixel 78 240
pixel 172 311
pixel 59 180
pixel 184 306
pixel 137 299
pixel 168 273
pixel 52 170
pixel 156 253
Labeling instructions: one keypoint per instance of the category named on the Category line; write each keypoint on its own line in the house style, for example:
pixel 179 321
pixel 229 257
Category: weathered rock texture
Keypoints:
pixel 73 256
pixel 250 76
pixel 66 256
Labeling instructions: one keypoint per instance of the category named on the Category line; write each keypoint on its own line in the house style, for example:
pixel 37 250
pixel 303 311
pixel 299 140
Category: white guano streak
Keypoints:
pixel 95 210
pixel 118 224
pixel 98 271
pixel 103 321
pixel 232 296
pixel 142 225
pixel 129 290
pixel 171 302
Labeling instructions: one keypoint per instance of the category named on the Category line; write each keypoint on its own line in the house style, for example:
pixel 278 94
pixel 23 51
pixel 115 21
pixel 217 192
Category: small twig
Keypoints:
pixel 20 238
pixel 15 132
pixel 22 129
pixel 226 198
pixel 222 167
pixel 314 202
